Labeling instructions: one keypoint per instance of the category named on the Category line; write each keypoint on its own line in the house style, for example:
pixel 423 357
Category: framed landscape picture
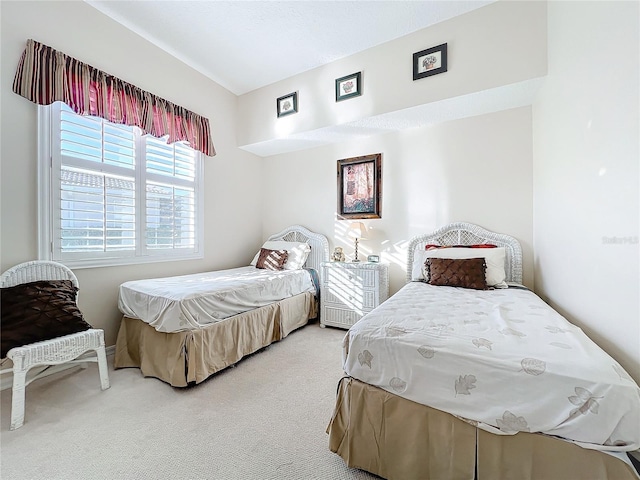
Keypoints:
pixel 360 186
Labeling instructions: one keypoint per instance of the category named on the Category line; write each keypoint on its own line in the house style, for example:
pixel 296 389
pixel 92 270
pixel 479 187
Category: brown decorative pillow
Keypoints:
pixel 459 272
pixel 36 311
pixel 272 259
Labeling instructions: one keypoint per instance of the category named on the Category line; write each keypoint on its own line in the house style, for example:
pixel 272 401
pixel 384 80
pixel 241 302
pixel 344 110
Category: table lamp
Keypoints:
pixel 356 231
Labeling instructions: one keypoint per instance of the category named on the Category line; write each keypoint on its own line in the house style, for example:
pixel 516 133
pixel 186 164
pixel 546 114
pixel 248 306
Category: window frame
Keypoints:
pixel 49 166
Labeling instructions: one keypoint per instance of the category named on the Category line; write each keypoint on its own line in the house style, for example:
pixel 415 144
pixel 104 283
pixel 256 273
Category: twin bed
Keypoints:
pixel 184 329
pixel 449 382
pixel 482 382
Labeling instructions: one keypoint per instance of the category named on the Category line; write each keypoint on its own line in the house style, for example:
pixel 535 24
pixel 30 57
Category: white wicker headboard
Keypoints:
pixel 319 244
pixel 468 234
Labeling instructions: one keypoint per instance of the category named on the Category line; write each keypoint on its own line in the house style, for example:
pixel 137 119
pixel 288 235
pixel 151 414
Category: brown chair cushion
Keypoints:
pixel 36 311
pixel 272 259
pixel 463 272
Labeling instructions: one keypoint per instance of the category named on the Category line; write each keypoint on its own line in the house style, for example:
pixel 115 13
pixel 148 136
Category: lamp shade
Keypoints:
pixel 357 230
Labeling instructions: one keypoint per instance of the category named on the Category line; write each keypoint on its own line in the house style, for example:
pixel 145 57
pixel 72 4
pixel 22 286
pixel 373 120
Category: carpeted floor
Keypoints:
pixel 263 419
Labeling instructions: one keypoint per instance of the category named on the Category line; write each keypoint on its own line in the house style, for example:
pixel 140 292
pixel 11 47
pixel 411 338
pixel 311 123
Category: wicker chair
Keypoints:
pixel 65 349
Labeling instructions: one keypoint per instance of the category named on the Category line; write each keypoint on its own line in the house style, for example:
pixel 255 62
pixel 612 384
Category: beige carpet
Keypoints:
pixel 263 419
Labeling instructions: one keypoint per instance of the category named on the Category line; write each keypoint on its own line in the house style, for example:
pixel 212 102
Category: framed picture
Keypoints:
pixel 349 86
pixel 359 187
pixel 430 61
pixel 287 104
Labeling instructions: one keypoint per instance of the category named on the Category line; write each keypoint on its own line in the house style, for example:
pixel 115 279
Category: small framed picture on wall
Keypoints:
pixel 430 61
pixel 287 104
pixel 349 86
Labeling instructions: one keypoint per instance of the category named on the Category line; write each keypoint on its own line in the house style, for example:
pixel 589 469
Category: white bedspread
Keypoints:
pixel 186 302
pixel 501 358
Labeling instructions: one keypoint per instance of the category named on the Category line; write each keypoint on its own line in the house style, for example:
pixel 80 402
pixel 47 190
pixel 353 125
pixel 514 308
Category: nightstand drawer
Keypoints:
pixel 360 300
pixel 351 277
pixel 339 317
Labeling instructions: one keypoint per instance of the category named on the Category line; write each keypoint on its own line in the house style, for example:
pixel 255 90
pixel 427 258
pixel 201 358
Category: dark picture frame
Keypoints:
pixel 360 187
pixel 431 61
pixel 287 104
pixel 349 86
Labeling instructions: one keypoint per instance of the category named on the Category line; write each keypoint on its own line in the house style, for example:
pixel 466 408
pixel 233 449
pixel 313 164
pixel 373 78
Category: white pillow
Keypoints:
pixel 298 253
pixel 419 257
pixel 494 257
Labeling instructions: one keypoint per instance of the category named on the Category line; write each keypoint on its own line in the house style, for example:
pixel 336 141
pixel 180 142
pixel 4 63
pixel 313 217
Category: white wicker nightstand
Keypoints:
pixel 350 290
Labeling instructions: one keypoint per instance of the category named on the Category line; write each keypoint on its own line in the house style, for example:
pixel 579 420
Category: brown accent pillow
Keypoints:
pixel 272 259
pixel 36 311
pixel 457 272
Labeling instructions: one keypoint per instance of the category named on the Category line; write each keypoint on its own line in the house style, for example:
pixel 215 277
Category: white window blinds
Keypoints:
pixel 117 196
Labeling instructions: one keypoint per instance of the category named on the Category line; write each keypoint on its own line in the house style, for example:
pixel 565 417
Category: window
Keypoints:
pixel 111 196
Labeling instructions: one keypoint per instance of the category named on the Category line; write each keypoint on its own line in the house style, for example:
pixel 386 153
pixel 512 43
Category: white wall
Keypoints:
pixel 232 178
pixel 586 156
pixel 584 128
pixel 477 170
pixel 499 44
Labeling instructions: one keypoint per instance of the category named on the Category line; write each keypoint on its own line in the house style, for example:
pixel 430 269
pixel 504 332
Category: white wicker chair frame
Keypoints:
pixel 56 351
pixel 468 234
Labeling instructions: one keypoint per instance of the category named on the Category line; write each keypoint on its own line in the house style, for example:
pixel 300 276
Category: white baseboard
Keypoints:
pixel 7 380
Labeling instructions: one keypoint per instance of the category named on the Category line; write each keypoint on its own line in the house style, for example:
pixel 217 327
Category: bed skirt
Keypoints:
pixel 183 358
pixel 397 439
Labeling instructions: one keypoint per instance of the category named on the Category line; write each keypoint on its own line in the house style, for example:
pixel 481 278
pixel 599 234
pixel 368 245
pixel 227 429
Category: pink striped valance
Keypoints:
pixel 45 75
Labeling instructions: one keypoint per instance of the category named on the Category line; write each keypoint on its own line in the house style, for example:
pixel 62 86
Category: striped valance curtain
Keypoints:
pixel 45 75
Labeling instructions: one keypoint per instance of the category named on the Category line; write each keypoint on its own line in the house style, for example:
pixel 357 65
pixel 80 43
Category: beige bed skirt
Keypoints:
pixel 182 358
pixel 398 439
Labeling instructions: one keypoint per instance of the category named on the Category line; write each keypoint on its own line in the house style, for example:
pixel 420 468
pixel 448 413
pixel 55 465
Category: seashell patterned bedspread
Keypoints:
pixel 503 360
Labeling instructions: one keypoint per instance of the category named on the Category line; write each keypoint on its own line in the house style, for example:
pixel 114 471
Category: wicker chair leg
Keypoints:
pixel 102 367
pixel 17 398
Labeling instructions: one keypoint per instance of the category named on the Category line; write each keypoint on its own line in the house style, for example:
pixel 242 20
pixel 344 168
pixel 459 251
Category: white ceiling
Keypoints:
pixel 245 45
